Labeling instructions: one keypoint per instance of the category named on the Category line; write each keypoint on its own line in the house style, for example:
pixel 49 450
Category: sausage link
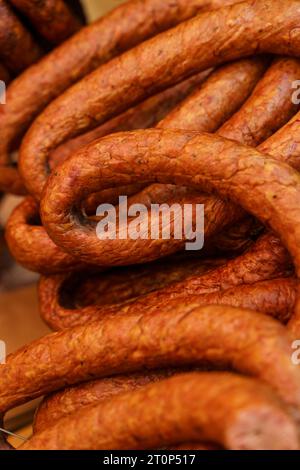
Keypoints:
pixel 135 341
pixel 250 125
pixel 268 259
pixel 65 402
pixel 120 255
pixel 234 240
pixel 207 40
pixel 268 108
pixel 234 171
pixel 284 144
pixel 241 76
pixel 147 114
pixel 276 298
pixel 179 409
pixel 195 446
pixel 18 49
pixel 51 18
pixel 4 74
pixel 98 295
pixel 221 95
pixel 92 46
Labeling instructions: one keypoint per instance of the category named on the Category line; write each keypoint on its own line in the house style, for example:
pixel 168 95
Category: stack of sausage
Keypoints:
pixel 181 101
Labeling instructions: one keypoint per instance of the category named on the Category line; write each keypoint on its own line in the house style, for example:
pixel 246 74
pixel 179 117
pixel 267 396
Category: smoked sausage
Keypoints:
pixel 268 108
pixel 60 308
pixel 147 114
pixel 64 403
pixel 18 49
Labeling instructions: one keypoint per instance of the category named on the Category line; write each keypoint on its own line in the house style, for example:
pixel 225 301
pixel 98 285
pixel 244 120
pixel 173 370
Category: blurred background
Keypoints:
pixel 19 318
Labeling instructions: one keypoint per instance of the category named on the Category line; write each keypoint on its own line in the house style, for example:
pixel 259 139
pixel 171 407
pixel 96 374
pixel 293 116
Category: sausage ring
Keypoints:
pixel 194 403
pixel 211 334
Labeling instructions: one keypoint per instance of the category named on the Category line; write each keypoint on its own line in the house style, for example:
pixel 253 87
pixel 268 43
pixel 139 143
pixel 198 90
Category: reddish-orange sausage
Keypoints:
pixel 98 295
pixel 184 408
pixel 276 298
pixel 209 39
pixel 142 116
pixel 30 245
pixel 123 28
pixel 195 446
pixel 60 308
pixel 51 18
pixel 268 108
pixel 64 403
pixel 284 144
pixel 28 242
pixel 24 235
pixel 18 49
pixel 213 335
pixel 266 259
